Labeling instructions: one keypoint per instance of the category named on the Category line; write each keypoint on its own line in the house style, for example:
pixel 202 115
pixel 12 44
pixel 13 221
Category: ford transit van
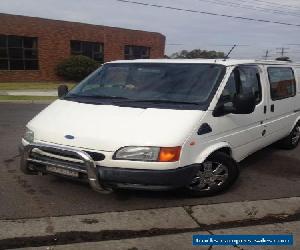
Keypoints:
pixel 165 124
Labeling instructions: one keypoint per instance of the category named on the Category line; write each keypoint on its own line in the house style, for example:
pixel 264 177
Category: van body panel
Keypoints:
pixel 105 128
pixel 238 131
pixel 108 128
pixel 280 116
pixel 297 101
pixel 206 148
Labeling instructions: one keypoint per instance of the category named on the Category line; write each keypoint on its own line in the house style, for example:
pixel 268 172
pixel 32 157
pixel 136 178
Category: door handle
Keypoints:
pixel 265 109
pixel 272 108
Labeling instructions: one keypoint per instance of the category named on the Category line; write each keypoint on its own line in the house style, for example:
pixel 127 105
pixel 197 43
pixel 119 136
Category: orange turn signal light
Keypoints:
pixel 169 154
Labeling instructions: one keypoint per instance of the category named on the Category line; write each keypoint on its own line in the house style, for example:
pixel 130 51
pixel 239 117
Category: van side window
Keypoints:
pixel 243 80
pixel 282 81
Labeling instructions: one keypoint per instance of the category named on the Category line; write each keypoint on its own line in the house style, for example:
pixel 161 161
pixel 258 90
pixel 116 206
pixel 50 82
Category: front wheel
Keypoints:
pixel 216 174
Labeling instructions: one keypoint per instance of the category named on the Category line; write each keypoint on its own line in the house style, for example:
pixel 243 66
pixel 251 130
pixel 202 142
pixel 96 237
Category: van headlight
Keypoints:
pixel 157 154
pixel 28 135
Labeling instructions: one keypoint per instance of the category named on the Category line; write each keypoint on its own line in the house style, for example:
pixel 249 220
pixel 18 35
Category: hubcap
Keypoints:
pixel 210 175
pixel 296 134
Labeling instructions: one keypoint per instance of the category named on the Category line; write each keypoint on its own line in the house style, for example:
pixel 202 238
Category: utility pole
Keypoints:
pixel 282 51
pixel 266 56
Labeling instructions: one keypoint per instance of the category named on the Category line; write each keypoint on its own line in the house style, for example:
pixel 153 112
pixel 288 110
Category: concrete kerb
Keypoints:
pixel 27 101
pixel 198 217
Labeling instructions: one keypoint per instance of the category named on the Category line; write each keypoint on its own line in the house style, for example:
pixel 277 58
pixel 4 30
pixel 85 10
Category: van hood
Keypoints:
pixel 108 127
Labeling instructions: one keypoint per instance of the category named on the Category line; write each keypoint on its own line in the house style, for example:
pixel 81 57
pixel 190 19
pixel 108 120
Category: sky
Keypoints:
pixel 186 30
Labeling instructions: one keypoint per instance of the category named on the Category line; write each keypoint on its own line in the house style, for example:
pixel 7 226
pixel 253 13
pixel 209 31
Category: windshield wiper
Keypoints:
pixel 96 96
pixel 127 100
pixel 162 101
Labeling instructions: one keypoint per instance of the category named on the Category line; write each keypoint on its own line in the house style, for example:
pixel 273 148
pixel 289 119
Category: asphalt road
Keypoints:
pixel 268 174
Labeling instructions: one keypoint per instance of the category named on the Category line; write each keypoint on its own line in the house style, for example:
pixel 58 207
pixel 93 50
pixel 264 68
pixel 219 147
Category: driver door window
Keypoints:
pixel 243 80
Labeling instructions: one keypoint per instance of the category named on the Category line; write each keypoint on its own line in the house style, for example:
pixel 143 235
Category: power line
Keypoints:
pixel 206 13
pixel 174 44
pixel 272 4
pixel 230 45
pixel 209 44
pixel 251 7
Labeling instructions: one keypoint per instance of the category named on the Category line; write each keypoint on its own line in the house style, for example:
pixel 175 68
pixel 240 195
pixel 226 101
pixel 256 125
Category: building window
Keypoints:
pixel 18 53
pixel 136 52
pixel 90 49
pixel 282 81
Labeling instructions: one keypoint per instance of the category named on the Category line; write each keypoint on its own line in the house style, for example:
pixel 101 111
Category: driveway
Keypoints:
pixel 268 174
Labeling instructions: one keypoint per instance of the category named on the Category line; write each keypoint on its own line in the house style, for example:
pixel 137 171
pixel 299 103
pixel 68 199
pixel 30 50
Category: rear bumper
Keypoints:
pixel 100 177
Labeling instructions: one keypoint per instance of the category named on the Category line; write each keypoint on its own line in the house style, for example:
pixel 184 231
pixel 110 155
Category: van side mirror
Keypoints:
pixel 62 90
pixel 244 103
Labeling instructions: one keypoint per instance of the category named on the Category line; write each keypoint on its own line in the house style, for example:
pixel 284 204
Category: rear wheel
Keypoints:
pixel 216 174
pixel 292 140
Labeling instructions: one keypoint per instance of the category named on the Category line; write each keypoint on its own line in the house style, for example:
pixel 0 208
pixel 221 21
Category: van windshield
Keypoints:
pixel 159 83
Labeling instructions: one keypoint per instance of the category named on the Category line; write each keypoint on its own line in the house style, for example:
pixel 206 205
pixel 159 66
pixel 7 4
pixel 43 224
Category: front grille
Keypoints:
pixel 43 158
pixel 57 153
pixel 65 159
pixel 94 155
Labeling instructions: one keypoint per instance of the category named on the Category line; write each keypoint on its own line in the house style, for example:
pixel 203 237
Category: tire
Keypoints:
pixel 205 182
pixel 292 140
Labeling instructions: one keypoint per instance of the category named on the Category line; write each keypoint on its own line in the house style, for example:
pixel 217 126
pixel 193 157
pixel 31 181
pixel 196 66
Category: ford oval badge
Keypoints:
pixel 70 137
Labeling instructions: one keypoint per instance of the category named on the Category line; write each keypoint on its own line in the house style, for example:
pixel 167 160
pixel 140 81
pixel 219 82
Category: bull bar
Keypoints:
pixel 88 162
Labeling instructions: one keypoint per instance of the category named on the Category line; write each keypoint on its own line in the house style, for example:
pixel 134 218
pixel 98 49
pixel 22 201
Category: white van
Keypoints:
pixel 165 124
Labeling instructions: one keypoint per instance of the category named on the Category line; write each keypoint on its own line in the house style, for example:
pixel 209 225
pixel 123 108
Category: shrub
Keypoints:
pixel 76 68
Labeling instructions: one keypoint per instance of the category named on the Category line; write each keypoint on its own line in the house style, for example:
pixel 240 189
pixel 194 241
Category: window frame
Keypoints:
pixel 100 44
pixel 237 67
pixel 270 84
pixel 136 46
pixel 22 59
pixel 202 106
pixel 260 88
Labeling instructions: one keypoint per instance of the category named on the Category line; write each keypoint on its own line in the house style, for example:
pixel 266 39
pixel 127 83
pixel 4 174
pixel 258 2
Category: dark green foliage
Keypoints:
pixel 76 68
pixel 197 53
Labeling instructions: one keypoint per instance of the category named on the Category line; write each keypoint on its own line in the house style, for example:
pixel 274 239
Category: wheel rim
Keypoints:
pixel 296 134
pixel 210 175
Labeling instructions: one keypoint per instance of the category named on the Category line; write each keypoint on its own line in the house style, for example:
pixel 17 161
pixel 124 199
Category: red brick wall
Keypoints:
pixel 54 43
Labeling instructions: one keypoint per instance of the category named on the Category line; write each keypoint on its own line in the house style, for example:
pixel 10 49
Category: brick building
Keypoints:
pixel 30 47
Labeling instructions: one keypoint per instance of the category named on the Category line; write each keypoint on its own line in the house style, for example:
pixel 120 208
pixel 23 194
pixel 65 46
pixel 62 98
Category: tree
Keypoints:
pixel 198 53
pixel 76 68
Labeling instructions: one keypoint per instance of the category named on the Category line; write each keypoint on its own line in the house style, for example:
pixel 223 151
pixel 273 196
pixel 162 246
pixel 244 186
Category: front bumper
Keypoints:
pixel 147 179
pixel 102 177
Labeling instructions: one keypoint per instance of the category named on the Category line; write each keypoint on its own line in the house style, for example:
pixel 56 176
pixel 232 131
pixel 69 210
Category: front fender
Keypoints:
pixel 211 149
pixel 297 120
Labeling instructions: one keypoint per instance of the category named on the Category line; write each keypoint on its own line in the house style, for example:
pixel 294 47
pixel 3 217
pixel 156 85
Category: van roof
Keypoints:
pixel 227 62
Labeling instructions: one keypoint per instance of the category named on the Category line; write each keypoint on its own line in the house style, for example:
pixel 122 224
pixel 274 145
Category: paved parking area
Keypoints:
pixel 268 174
